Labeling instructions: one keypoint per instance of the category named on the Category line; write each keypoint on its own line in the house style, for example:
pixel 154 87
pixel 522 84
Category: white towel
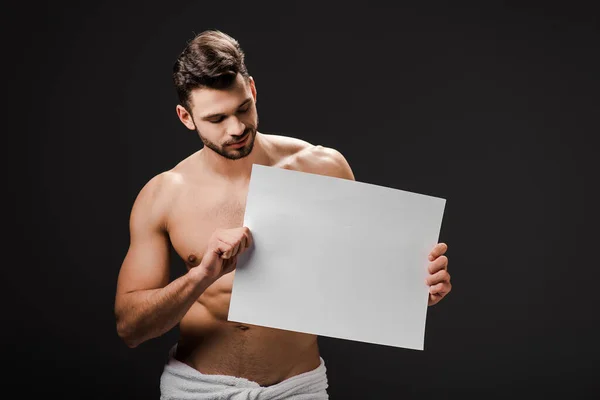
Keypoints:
pixel 179 381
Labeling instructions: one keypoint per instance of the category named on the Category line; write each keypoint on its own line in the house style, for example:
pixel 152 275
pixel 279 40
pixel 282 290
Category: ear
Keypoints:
pixel 252 87
pixel 185 117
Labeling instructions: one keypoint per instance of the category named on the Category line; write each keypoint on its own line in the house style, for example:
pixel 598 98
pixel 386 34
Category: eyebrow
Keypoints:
pixel 221 114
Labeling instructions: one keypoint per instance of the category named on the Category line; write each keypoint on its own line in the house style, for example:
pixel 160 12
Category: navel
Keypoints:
pixel 242 327
pixel 192 259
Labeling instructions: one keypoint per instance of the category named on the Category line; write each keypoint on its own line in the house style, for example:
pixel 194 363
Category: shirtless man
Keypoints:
pixel 198 208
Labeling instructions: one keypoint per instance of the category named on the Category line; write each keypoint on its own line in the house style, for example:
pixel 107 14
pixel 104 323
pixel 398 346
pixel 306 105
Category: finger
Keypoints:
pixel 440 276
pixel 240 246
pixel 437 265
pixel 226 237
pixel 229 265
pixel 249 238
pixel 440 289
pixel 438 250
pixel 434 299
pixel 244 244
pixel 236 249
pixel 242 240
pixel 224 249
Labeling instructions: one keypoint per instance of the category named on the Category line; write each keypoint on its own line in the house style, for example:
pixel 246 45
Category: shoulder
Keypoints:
pixel 153 201
pixel 161 187
pixel 324 161
pixel 284 146
pixel 306 157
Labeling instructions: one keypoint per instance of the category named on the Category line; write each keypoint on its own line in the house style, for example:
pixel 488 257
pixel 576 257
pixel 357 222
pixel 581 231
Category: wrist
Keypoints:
pixel 199 277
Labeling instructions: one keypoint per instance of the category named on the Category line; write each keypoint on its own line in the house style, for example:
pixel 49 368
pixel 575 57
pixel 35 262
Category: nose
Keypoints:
pixel 235 127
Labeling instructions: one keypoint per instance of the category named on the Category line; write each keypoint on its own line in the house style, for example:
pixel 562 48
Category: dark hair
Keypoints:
pixel 212 59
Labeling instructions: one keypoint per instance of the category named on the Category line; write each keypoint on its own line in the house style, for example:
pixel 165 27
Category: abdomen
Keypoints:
pixel 213 345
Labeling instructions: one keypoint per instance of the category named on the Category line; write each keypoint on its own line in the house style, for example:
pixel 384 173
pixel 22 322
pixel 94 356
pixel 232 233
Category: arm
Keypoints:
pixel 146 305
pixel 327 161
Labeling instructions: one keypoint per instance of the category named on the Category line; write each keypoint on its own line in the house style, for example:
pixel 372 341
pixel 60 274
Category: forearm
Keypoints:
pixel 146 314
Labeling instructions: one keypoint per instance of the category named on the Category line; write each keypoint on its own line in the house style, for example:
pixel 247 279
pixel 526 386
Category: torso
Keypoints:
pixel 208 342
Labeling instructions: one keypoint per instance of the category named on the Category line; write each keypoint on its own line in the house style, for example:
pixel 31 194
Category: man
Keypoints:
pixel 198 208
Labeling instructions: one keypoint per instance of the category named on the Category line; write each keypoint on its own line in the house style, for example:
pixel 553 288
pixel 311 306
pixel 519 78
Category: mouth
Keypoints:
pixel 242 142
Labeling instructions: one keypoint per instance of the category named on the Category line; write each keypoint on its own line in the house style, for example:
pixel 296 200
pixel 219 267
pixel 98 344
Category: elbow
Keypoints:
pixel 127 337
pixel 131 345
pixel 126 332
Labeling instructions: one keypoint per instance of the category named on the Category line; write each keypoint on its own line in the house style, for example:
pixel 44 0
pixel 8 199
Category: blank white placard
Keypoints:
pixel 335 257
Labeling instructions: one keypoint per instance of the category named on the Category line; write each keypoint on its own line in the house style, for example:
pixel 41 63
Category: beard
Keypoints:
pixel 232 154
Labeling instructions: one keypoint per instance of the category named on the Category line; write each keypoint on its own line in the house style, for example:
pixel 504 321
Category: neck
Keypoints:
pixel 235 169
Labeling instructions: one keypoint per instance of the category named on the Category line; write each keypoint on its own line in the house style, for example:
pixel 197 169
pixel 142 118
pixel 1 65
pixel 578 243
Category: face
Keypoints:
pixel 225 119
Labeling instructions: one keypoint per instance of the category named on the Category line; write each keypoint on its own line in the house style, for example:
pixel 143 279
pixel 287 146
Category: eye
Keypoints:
pixel 216 120
pixel 244 109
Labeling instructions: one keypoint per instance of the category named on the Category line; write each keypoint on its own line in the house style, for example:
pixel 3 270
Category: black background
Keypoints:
pixel 493 107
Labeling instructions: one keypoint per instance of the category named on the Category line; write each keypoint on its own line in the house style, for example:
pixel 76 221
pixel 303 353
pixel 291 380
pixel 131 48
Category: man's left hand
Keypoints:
pixel 439 278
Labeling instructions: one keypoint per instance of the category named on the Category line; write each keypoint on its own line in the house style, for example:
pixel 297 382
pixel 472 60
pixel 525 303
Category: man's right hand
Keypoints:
pixel 224 247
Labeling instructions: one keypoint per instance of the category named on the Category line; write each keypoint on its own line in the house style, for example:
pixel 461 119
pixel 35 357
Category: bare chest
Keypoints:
pixel 198 213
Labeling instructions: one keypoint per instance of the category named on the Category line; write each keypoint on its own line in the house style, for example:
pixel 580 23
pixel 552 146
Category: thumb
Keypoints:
pixel 229 265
